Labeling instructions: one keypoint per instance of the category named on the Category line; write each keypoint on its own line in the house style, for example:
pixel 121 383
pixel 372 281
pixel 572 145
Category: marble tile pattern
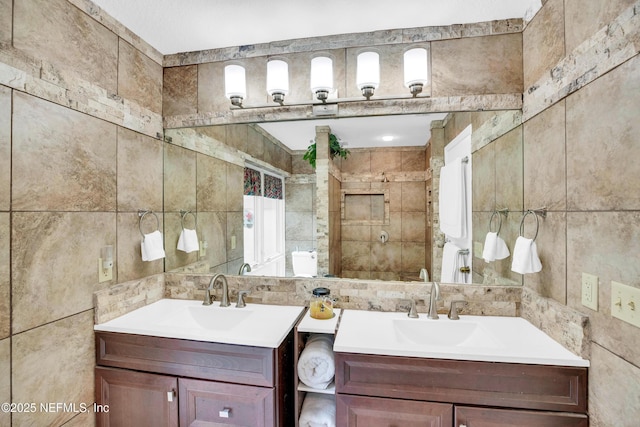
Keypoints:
pixel 5 378
pixel 127 296
pixel 180 90
pixel 543 40
pixel 352 293
pixel 139 78
pixel 62 160
pixel 5 148
pixel 480 74
pixel 6 21
pixel 610 46
pixel 5 275
pixel 140 172
pixel 63 353
pixel 47 30
pixel 53 263
pixel 343 41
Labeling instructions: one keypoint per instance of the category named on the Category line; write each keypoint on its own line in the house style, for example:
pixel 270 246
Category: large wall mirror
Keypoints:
pixel 382 201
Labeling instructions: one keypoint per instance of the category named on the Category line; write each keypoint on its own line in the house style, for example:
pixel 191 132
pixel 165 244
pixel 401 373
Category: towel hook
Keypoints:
pixel 498 212
pixel 536 212
pixel 195 219
pixel 142 213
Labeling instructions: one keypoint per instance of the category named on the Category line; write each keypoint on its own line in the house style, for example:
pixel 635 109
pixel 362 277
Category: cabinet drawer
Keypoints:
pixel 509 385
pixel 489 417
pixel 360 411
pixel 212 403
pixel 184 358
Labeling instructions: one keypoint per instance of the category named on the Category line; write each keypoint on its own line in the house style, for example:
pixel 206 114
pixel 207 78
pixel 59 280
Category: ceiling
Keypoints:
pixel 359 132
pixel 173 26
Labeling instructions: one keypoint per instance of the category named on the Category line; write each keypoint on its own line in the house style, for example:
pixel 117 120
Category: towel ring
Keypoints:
pixel 195 219
pixel 499 222
pixel 142 214
pixel 522 223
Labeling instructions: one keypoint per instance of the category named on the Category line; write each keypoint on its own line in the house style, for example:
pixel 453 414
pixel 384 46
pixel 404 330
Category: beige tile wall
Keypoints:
pixel 402 257
pixel 71 180
pixel 580 156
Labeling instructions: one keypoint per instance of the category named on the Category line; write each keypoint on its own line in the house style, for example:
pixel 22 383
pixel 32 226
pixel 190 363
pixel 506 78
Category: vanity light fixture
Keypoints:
pixel 416 71
pixel 235 87
pixel 368 73
pixel 322 77
pixel 277 80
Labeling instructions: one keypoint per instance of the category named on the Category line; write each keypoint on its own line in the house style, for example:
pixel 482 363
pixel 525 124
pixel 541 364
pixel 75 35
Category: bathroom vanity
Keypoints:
pixel 146 378
pixel 474 372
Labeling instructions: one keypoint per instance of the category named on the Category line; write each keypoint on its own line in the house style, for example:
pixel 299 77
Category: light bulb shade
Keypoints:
pixel 368 71
pixel 277 77
pixel 234 82
pixel 416 71
pixel 321 74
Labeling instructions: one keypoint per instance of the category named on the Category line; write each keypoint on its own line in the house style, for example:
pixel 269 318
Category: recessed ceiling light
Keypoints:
pixel 387 138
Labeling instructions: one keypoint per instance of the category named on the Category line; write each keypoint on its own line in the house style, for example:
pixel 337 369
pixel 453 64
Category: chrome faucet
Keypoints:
pixel 434 296
pixel 244 267
pixel 225 291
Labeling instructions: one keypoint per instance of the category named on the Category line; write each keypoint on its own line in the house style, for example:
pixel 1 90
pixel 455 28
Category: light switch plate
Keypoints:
pixel 590 291
pixel 625 303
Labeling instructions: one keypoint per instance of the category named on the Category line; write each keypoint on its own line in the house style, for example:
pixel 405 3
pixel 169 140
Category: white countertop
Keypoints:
pixel 257 325
pixel 483 338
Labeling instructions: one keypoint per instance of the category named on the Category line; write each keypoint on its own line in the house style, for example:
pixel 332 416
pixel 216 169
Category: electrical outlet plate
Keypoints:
pixel 104 274
pixel 625 303
pixel 590 291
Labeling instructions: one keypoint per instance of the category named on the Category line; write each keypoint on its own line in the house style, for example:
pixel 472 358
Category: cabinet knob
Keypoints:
pixel 170 395
pixel 225 413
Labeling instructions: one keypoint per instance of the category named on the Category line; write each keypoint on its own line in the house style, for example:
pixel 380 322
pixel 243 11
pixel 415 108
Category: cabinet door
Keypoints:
pixel 209 403
pixel 136 398
pixel 361 411
pixel 488 417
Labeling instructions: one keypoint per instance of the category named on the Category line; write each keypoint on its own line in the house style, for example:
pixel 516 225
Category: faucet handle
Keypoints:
pixel 241 302
pixel 453 309
pixel 413 313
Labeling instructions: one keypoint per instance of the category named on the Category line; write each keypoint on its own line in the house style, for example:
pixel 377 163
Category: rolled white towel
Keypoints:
pixel 318 410
pixel 525 256
pixel 316 364
pixel 188 241
pixel 152 246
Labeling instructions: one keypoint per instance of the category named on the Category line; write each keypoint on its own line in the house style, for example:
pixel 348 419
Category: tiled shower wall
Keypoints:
pixel 80 153
pixel 581 106
pixel 364 256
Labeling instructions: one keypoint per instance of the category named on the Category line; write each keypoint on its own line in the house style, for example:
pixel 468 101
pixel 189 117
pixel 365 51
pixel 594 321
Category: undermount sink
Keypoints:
pixel 259 325
pixel 481 338
pixel 448 333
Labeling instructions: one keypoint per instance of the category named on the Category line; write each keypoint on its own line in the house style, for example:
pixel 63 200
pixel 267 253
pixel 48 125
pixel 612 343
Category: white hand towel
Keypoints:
pixel 452 200
pixel 494 247
pixel 316 365
pixel 502 251
pixel 525 256
pixel 152 246
pixel 188 241
pixel 450 264
pixel 318 410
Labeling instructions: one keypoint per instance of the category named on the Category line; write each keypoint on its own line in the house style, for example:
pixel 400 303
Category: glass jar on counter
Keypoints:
pixel 321 306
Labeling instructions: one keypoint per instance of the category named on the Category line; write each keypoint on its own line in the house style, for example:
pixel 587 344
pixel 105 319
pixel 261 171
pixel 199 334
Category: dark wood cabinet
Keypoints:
pixel 492 417
pixel 212 403
pixel 136 398
pixel 480 394
pixel 360 411
pixel 172 382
